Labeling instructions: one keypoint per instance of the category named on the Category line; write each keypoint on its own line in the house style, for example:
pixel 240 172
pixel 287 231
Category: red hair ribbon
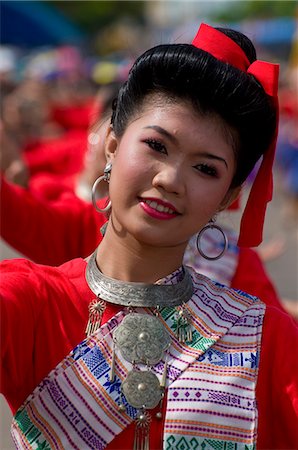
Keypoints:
pixel 225 49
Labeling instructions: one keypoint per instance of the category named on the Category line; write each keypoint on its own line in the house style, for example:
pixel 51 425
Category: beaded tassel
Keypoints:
pixel 158 415
pixel 96 309
pixel 121 406
pixel 183 325
pixel 141 438
pixel 112 371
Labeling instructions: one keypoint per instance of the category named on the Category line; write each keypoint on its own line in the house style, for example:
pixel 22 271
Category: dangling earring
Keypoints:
pixel 211 225
pixel 105 177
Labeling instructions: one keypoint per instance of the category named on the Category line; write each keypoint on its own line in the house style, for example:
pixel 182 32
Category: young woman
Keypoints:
pixel 171 359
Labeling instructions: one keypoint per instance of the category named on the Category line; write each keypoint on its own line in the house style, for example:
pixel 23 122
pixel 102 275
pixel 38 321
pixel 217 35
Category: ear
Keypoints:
pixel 111 144
pixel 229 198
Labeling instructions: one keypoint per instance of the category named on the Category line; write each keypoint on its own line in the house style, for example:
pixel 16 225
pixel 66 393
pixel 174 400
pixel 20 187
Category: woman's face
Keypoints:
pixel 171 173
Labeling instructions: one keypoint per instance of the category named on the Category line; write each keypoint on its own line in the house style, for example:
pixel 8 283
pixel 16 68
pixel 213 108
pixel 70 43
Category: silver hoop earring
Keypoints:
pixel 211 225
pixel 105 177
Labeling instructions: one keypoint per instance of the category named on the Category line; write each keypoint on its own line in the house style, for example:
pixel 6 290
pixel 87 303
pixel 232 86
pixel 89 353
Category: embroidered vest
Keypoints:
pixel 211 383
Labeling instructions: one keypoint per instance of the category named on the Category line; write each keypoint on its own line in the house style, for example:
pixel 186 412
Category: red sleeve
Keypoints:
pixel 47 186
pixel 48 232
pixel 17 332
pixel 251 277
pixel 277 387
pixel 58 156
pixel 37 303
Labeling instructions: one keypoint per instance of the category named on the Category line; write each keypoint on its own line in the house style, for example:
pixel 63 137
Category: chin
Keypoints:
pixel 157 240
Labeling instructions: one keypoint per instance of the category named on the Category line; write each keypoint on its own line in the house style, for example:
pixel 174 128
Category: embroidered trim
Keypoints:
pixel 211 382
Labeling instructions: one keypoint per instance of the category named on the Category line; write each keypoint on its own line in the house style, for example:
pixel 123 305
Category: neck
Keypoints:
pixel 128 260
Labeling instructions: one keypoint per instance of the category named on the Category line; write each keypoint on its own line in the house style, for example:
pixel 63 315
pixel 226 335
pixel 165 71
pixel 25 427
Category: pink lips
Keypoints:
pixel 158 209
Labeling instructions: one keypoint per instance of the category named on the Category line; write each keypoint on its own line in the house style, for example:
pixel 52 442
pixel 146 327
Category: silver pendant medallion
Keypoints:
pixel 141 339
pixel 142 389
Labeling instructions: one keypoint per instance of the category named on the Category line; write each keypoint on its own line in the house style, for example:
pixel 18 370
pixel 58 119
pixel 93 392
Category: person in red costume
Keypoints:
pixel 44 138
pixel 171 358
pixel 64 157
pixel 56 200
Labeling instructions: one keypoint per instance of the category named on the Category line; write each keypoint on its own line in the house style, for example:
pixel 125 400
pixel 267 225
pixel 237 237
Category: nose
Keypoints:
pixel 170 178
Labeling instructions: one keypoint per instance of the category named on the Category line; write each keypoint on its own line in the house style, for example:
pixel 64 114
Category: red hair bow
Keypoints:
pixel 225 49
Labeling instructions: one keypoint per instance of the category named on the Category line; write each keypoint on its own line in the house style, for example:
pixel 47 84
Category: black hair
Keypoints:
pixel 182 71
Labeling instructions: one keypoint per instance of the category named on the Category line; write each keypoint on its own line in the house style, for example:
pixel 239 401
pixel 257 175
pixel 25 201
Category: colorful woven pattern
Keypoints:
pixel 211 382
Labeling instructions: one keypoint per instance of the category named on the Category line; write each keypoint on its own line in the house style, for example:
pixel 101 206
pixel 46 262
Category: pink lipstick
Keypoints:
pixel 158 209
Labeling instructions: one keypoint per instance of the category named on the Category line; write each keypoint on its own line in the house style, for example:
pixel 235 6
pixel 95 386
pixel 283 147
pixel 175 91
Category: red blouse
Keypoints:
pixel 44 311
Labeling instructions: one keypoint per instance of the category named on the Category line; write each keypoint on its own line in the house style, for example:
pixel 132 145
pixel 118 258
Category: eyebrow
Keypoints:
pixel 218 158
pixel 174 140
pixel 163 132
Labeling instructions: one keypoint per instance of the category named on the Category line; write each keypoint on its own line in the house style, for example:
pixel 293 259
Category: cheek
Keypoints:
pixel 208 196
pixel 130 164
pixel 125 178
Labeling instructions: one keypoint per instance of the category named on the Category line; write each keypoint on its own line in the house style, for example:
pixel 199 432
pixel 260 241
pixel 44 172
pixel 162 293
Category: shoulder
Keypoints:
pixel 34 293
pixel 15 273
pixel 24 278
pixel 279 349
pixel 23 267
pixel 204 284
pixel 277 386
pixel 280 329
pixel 231 308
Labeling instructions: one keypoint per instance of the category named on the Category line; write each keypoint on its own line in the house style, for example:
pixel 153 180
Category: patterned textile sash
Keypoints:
pixel 222 269
pixel 211 383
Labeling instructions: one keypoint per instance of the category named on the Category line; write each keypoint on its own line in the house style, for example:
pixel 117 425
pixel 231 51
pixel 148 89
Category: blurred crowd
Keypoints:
pixel 48 103
pixel 287 149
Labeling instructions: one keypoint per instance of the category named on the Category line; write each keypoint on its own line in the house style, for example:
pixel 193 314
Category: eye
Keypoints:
pixel 207 170
pixel 156 145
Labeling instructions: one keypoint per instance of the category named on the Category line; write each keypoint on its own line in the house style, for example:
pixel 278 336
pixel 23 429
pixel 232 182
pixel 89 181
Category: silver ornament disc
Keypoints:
pixel 142 389
pixel 141 338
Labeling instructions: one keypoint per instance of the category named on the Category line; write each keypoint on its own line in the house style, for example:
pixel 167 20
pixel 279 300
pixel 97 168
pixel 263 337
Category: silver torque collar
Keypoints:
pixel 137 294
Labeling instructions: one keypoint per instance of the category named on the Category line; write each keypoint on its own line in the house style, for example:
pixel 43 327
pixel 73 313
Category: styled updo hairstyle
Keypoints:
pixel 184 72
